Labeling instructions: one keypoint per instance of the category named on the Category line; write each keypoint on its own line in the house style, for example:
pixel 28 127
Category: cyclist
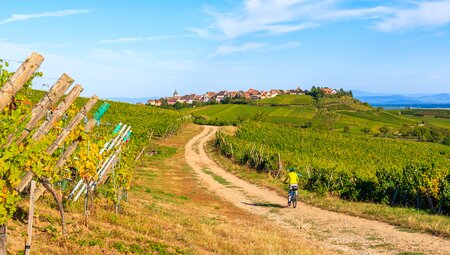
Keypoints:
pixel 293 183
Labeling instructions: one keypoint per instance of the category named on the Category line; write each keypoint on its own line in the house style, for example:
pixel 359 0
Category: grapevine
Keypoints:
pixel 354 167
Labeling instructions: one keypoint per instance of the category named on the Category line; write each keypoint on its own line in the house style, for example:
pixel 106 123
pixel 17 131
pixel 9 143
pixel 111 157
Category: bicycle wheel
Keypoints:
pixel 294 201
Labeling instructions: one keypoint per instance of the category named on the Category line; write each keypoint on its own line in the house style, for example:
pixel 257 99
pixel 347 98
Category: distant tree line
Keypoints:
pixel 318 92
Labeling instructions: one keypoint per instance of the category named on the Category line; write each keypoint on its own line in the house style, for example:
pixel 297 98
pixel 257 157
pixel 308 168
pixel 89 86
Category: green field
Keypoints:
pixel 234 112
pixel 355 167
pixel 288 100
pixel 339 113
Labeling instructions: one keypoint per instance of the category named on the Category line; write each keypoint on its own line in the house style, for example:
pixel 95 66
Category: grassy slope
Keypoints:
pixel 403 217
pixel 350 113
pixel 142 118
pixel 287 100
pixel 167 213
pixel 279 114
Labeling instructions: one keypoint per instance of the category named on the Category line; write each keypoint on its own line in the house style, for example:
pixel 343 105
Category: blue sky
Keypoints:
pixel 149 48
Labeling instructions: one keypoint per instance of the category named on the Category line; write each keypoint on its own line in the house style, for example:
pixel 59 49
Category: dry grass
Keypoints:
pixel 407 218
pixel 168 212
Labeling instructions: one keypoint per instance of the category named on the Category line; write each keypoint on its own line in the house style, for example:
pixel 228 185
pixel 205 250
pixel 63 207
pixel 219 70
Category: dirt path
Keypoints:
pixel 169 211
pixel 336 231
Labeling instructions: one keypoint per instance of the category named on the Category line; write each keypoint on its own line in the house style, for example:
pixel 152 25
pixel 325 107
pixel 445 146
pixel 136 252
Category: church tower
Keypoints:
pixel 175 94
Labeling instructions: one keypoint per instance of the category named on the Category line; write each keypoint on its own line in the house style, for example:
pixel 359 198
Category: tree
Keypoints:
pixel 178 106
pixel 226 100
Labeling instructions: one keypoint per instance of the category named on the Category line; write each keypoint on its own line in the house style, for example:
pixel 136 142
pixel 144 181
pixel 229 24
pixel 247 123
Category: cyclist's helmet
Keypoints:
pixel 291 169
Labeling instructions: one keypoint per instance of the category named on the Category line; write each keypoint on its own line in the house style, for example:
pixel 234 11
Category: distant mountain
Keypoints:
pixel 406 100
pixel 132 100
pixel 436 99
pixel 358 93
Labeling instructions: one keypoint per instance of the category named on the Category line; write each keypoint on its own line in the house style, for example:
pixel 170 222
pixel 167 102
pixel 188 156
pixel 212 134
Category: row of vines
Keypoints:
pixel 357 168
pixel 54 141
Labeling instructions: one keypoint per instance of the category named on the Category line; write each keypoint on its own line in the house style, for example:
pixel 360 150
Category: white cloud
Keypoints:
pixel 281 29
pixel 285 46
pixel 280 17
pixel 200 32
pixel 228 49
pixel 422 15
pixel 223 50
pixel 274 17
pixel 138 39
pixel 22 17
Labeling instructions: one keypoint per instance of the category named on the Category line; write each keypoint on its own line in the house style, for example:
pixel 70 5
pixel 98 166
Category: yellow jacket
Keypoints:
pixel 293 178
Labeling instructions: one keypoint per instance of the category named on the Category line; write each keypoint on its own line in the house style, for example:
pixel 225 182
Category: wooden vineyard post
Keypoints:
pixel 58 113
pixel 86 206
pixel 39 192
pixel 24 182
pixel 20 77
pixel 42 107
pixel 71 149
pixel 3 237
pixel 280 166
pixel 88 128
pixel 73 123
pixel 139 155
pixel 30 218
pixel 48 124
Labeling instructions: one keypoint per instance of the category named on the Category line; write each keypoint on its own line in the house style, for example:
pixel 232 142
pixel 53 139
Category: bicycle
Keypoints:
pixel 293 196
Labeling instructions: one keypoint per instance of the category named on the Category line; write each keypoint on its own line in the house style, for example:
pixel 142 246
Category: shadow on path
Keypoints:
pixel 265 205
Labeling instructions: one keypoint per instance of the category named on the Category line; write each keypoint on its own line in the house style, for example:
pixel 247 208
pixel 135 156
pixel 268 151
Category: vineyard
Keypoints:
pixel 51 142
pixel 237 113
pixel 288 100
pixel 357 168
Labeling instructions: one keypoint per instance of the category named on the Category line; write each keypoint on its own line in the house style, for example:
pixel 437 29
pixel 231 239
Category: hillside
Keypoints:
pixel 143 119
pixel 334 113
pixel 287 100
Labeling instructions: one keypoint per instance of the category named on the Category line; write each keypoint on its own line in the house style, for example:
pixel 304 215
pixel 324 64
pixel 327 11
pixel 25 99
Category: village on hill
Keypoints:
pixel 251 94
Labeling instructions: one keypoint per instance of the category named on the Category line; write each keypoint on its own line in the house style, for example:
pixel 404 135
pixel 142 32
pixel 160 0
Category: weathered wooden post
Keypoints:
pixel 20 77
pixel 71 149
pixel 73 123
pixel 48 124
pixel 280 166
pixel 3 237
pixel 89 126
pixel 39 192
pixel 58 113
pixel 42 107
pixel 65 133
pixel 30 218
